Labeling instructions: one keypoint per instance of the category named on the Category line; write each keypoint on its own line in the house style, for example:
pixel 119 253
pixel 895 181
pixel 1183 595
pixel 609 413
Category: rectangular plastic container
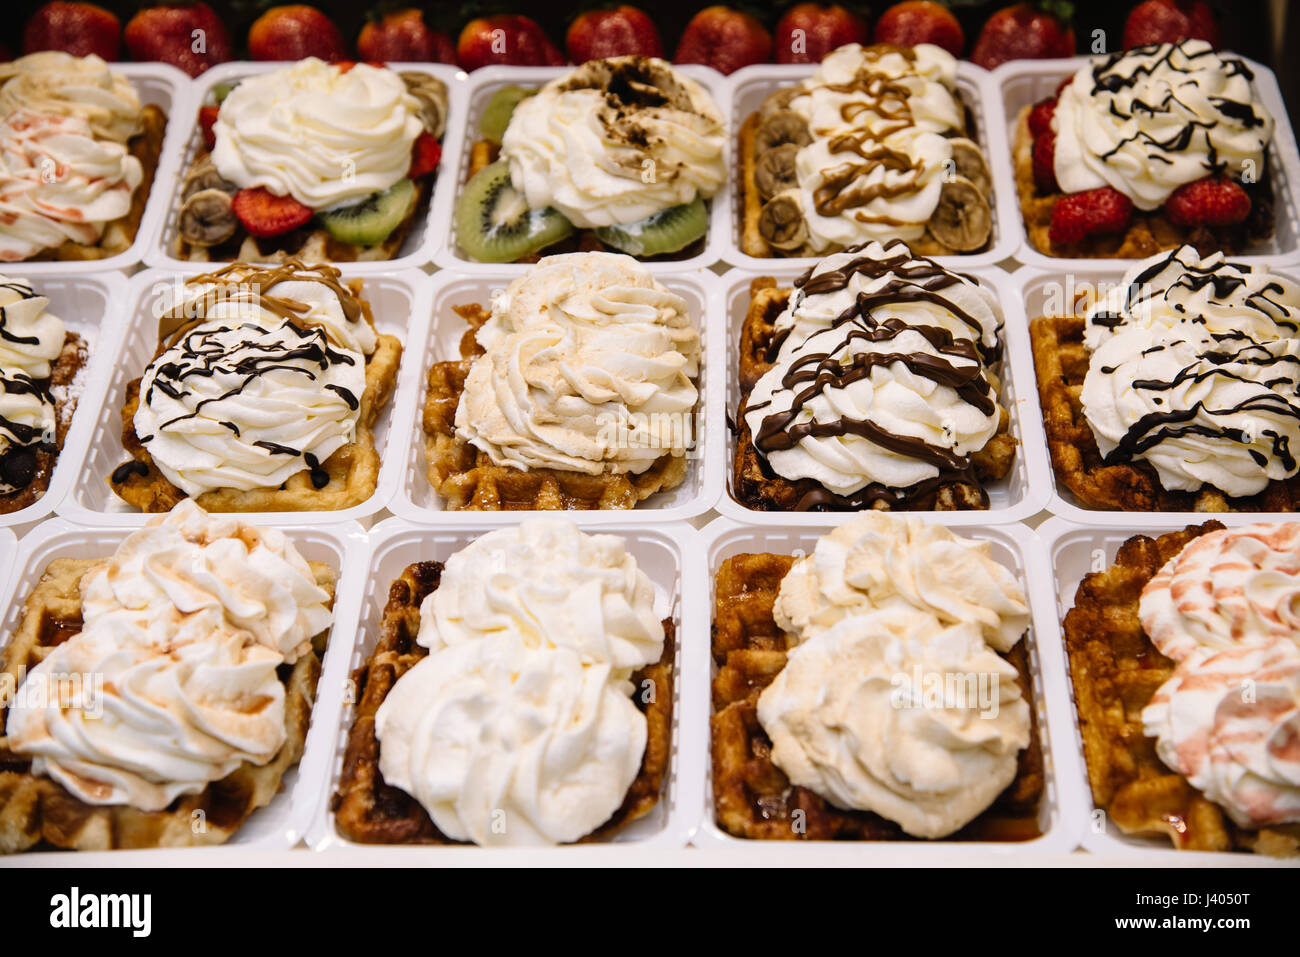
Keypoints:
pixel 664 553
pixel 1066 552
pixel 1040 293
pixel 746 89
pixel 1015 547
pixel 170 89
pixel 480 86
pixel 281 824
pixel 1020 83
pixel 400 301
pixel 89 305
pixel 439 341
pixel 425 235
pixel 1019 496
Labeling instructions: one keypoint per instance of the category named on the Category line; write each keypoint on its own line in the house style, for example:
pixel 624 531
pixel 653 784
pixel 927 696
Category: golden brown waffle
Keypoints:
pixel 146 146
pixel 467 478
pixel 756 486
pixel 1061 363
pixel 63 375
pixel 37 813
pixel 1148 232
pixel 1115 670
pixel 752 798
pixel 369 811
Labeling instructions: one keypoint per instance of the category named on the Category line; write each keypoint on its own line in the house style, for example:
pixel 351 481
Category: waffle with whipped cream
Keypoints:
pixel 1177 391
pixel 145 771
pixel 262 396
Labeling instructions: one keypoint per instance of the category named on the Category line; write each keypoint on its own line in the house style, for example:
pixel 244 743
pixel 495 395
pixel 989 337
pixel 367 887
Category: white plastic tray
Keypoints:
pixel 746 89
pixel 1014 546
pixel 281 824
pixel 1071 551
pixel 1022 494
pixel 8 551
pixel 399 301
pixel 1020 83
pixel 439 341
pixel 165 87
pixel 1038 287
pixel 664 553
pixel 479 89
pixel 89 305
pixel 418 248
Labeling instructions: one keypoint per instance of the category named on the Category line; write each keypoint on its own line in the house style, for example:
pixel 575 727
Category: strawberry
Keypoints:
pixel 426 154
pixel 1213 201
pixel 724 39
pixel 506 38
pixel 208 119
pixel 1165 21
pixel 920 21
pixel 77 28
pixel 1025 32
pixel 189 36
pixel 622 31
pixel 293 32
pixel 264 214
pixel 809 31
pixel 1044 163
pixel 402 36
pixel 1040 117
pixel 1089 213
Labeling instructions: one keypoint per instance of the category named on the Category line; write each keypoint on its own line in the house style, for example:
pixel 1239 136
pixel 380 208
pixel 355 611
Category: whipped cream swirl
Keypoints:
pixel 82 88
pixel 31 338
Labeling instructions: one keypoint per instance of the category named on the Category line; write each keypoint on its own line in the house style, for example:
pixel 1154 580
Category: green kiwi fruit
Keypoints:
pixel 666 231
pixel 496 117
pixel 370 221
pixel 494 223
pixel 222 90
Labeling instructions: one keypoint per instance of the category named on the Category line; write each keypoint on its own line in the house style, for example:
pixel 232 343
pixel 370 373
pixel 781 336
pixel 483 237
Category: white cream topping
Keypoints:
pixel 1150 119
pixel 589 366
pixel 31 338
pixel 84 88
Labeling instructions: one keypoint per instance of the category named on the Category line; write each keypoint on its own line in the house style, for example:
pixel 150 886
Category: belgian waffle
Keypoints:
pixel 1061 362
pixel 756 486
pixel 63 375
pixel 467 478
pixel 370 811
pixel 37 813
pixel 752 797
pixel 1115 670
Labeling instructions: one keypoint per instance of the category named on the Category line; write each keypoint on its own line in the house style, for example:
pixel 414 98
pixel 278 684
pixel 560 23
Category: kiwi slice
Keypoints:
pixel 494 223
pixel 667 231
pixel 222 90
pixel 369 222
pixel 496 117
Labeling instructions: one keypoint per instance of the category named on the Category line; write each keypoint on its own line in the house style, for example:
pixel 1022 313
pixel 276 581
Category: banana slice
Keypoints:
pixel 778 100
pixel 207 218
pixel 781 221
pixel 970 163
pixel 779 128
pixel 203 175
pixel 775 171
pixel 962 220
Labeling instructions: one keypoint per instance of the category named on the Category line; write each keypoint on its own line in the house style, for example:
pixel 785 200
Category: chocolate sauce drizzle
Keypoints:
pixel 17 459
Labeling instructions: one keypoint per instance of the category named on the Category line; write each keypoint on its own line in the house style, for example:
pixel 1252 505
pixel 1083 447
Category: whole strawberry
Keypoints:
pixel 189 36
pixel 1092 212
pixel 1213 201
pixel 809 31
pixel 505 38
pixel 623 31
pixel 293 32
pixel 1026 31
pixel 1167 21
pixel 402 36
pixel 724 39
pixel 77 28
pixel 920 21
pixel 1040 117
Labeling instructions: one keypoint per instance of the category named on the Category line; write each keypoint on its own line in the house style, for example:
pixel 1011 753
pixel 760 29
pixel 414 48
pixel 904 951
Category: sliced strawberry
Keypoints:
pixel 1045 163
pixel 426 154
pixel 1213 201
pixel 1089 213
pixel 264 214
pixel 1040 117
pixel 207 119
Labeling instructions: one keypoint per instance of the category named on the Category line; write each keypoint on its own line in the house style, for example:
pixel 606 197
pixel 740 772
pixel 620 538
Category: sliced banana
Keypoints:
pixel 962 220
pixel 431 93
pixel 969 160
pixel 207 218
pixel 782 222
pixel 779 128
pixel 203 175
pixel 775 170
pixel 778 100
